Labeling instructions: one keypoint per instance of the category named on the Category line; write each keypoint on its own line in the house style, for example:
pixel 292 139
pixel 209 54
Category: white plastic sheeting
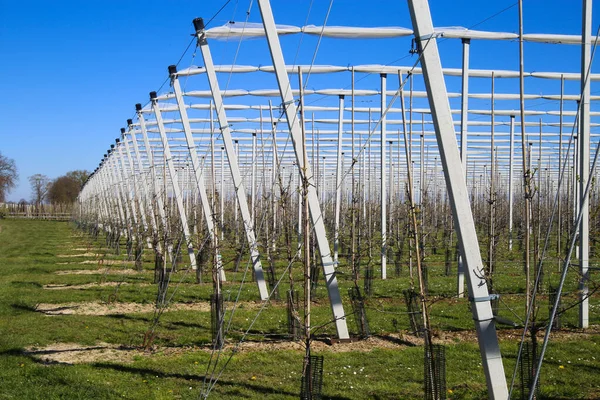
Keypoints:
pixel 251 30
pixel 357 32
pixel 459 32
pixel 383 69
pixel 553 38
pixel 248 30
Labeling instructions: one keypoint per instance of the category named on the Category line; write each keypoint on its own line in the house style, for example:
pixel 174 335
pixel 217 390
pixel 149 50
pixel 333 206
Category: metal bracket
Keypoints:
pixel 492 296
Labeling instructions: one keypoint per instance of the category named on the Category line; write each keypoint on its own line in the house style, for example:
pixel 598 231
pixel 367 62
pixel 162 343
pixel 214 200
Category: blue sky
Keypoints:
pixel 72 71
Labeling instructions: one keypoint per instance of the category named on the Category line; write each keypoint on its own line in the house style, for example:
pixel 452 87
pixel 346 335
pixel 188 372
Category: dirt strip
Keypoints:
pixel 62 286
pixel 77 255
pixel 100 308
pixel 101 271
pixel 73 353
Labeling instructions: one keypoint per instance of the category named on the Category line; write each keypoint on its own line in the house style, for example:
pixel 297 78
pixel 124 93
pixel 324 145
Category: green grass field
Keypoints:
pixel 387 366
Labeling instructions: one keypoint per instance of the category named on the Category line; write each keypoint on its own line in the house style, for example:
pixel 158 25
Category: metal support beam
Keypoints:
pixel 174 180
pixel 464 138
pixel 383 182
pixel 510 182
pixel 289 106
pixel 338 181
pixel 584 163
pixel 156 194
pixel 458 195
pixel 198 175
pixel 236 176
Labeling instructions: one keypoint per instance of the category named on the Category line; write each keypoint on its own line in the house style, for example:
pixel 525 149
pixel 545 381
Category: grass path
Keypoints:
pixel 36 350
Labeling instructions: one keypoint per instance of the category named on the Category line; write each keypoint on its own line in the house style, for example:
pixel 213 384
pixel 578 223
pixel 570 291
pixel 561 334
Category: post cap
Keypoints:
pixel 129 122
pixel 172 69
pixel 198 24
pixel 122 131
pixel 152 95
pixel 138 107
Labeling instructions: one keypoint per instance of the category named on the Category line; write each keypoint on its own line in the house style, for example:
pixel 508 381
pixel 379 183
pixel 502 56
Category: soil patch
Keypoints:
pixel 73 353
pixel 101 308
pixel 108 262
pixel 102 271
pixel 62 286
pixel 77 255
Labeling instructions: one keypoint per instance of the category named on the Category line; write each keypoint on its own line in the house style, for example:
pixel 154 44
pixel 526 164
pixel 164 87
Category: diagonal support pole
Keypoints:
pixel 174 180
pixel 291 112
pixel 208 213
pixel 459 200
pixel 232 158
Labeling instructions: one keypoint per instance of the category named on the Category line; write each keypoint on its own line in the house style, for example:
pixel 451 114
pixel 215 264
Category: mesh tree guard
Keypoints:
pixel 527 365
pixel 398 257
pixel 448 254
pixel 425 275
pixel 178 257
pixel 163 285
pixel 139 249
pixel 115 242
pixel 368 282
pixel 159 262
pixel 359 312
pixel 495 302
pixel 202 260
pixel 312 379
pixel 552 293
pixel 238 259
pixel 293 318
pixel 435 372
pixel 314 278
pixel 272 280
pixel 216 319
pixel 129 249
pixel 415 317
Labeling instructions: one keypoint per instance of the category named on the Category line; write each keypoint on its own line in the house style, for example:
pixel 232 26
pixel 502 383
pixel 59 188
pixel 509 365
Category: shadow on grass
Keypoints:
pixel 395 340
pixel 24 284
pixel 129 317
pixel 200 378
pixel 21 306
pixel 164 323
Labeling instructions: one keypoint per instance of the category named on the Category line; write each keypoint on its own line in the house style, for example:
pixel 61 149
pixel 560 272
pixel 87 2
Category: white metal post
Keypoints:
pixel 174 180
pixel 289 106
pixel 136 189
pixel 457 190
pixel 119 191
pixel 198 175
pixel 253 183
pixel 338 181
pixel 383 182
pixel 144 184
pixel 510 182
pixel 222 192
pixel 464 138
pixel 584 163
pixel 156 194
pixel 232 157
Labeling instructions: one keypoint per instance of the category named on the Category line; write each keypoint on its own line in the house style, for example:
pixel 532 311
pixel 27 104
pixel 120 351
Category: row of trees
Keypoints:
pixel 8 176
pixel 62 190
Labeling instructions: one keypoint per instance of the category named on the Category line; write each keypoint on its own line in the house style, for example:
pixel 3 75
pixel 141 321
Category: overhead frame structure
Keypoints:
pixel 178 163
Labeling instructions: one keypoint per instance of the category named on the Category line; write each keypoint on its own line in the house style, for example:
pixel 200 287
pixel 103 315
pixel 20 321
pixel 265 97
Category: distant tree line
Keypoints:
pixel 8 176
pixel 62 190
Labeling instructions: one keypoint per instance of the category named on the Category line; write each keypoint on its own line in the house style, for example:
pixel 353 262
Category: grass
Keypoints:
pixel 29 253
